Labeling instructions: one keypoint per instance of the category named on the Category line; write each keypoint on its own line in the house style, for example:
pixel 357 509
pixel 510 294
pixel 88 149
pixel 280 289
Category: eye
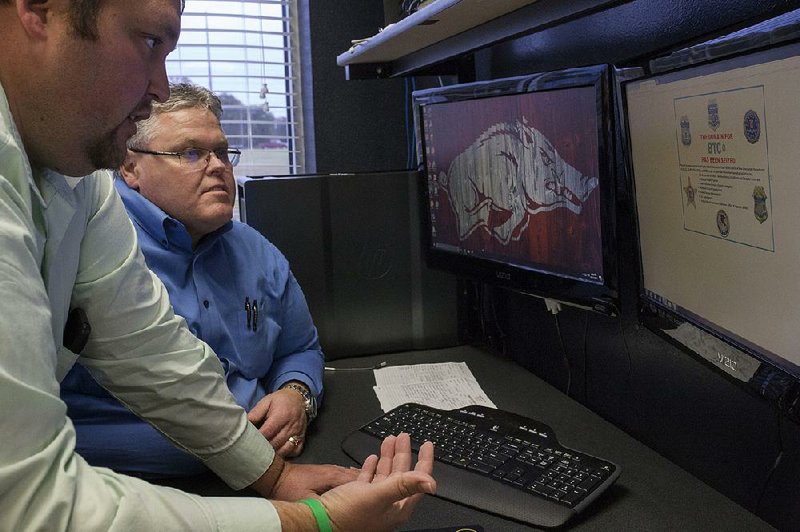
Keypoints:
pixel 192 155
pixel 152 42
pixel 222 154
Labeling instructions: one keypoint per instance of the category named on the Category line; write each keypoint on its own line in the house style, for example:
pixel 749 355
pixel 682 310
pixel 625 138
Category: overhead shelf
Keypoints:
pixel 446 29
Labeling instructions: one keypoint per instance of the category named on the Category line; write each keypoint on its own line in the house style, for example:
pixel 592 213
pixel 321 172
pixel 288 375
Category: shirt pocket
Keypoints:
pixel 259 342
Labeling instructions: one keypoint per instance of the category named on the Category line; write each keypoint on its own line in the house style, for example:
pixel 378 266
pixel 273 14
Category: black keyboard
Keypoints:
pixel 534 479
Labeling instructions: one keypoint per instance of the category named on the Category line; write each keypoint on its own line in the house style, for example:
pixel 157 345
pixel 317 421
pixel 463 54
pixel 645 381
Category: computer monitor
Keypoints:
pixel 519 183
pixel 353 243
pixel 714 159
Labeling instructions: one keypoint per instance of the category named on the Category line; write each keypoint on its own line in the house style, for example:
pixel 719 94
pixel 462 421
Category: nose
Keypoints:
pixel 159 83
pixel 214 163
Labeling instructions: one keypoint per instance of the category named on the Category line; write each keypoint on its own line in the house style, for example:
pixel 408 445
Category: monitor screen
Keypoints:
pixel 518 186
pixel 715 164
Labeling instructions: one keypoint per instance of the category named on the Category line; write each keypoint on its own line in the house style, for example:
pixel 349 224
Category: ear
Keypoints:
pixel 33 15
pixel 128 172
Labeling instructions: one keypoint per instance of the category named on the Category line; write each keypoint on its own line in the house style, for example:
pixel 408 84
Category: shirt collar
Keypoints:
pixel 10 127
pixel 162 227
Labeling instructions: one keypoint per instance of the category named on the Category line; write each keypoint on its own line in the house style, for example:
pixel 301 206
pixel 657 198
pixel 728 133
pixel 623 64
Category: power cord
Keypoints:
pixel 408 7
pixel 500 332
pixel 376 366
pixel 774 465
pixel 410 134
pixel 585 357
pixel 554 307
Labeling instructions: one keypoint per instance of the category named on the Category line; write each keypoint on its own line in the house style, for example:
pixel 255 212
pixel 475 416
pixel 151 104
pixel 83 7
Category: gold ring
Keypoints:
pixel 294 440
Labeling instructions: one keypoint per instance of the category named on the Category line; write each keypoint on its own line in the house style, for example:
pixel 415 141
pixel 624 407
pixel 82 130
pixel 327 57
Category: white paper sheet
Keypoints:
pixel 446 386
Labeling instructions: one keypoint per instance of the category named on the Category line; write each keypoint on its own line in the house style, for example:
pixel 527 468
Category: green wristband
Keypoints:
pixel 323 521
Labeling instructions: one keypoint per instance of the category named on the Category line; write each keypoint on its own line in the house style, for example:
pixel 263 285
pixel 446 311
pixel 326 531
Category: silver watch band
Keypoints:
pixel 308 398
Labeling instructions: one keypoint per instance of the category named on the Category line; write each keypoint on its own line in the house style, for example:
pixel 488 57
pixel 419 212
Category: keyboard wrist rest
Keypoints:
pixel 468 488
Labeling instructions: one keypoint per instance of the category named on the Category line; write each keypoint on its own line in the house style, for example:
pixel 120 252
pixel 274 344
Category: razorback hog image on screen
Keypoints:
pixel 515 178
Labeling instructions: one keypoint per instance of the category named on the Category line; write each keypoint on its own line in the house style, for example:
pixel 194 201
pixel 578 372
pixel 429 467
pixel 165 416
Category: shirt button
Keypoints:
pixel 205 303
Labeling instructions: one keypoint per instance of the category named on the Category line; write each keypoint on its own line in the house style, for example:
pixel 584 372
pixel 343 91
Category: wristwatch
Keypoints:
pixel 308 398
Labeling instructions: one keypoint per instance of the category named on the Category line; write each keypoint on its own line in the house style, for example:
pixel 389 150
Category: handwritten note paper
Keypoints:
pixel 446 385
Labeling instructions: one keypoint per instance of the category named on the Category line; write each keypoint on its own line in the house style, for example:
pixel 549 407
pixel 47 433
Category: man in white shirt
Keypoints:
pixel 75 76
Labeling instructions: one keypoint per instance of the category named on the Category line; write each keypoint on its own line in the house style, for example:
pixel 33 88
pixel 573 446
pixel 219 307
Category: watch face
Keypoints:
pixel 311 407
pixel 308 398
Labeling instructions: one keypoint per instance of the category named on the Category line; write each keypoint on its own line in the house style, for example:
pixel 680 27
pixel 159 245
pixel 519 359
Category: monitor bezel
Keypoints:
pixel 599 297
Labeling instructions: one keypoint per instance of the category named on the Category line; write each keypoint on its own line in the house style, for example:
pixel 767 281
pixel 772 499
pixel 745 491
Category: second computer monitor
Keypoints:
pixel 715 161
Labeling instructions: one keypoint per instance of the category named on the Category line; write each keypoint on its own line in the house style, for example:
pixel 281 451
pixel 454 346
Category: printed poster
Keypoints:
pixel 723 166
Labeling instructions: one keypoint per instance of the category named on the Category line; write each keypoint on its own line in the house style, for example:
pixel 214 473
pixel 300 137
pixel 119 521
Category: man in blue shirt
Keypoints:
pixel 233 287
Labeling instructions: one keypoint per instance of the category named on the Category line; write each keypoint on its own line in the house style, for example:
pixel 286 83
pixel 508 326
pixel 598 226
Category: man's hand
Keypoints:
pixel 300 481
pixel 381 498
pixel 386 491
pixel 290 482
pixel 279 416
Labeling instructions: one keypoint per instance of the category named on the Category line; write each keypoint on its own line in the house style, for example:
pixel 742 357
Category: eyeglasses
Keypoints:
pixel 194 157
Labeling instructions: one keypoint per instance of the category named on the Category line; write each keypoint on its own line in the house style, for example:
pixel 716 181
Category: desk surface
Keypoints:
pixel 651 494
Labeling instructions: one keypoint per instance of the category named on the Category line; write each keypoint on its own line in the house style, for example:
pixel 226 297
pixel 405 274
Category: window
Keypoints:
pixel 246 52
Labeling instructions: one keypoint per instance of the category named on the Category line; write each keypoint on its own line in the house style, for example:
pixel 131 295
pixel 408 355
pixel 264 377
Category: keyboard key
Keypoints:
pixel 481 467
pixel 573 496
pixel 590 482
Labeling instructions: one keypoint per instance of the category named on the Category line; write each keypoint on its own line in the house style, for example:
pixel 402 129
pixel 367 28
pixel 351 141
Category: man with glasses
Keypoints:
pixel 75 77
pixel 233 287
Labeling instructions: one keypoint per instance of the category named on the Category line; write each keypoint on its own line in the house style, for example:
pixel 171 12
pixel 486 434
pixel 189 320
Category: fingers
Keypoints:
pixel 402 453
pixel 384 468
pixel 367 472
pixel 425 459
pixel 257 414
pixel 342 475
pixel 411 488
pixel 286 434
pixel 396 457
pixel 417 482
pixel 404 490
pixel 290 441
pixel 289 450
pixel 295 450
pixel 280 426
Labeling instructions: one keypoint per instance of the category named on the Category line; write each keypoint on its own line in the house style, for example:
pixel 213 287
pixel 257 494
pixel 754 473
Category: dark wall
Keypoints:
pixel 688 411
pixel 358 126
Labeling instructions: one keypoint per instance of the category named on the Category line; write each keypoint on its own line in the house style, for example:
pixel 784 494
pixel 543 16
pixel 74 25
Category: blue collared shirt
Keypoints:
pixel 237 293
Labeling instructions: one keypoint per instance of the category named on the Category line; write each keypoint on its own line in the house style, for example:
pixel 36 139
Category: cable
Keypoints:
pixel 630 402
pixel 585 357
pixel 479 297
pixel 376 366
pixel 627 352
pixel 774 465
pixel 406 106
pixel 408 7
pixel 412 135
pixel 496 322
pixel 564 352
